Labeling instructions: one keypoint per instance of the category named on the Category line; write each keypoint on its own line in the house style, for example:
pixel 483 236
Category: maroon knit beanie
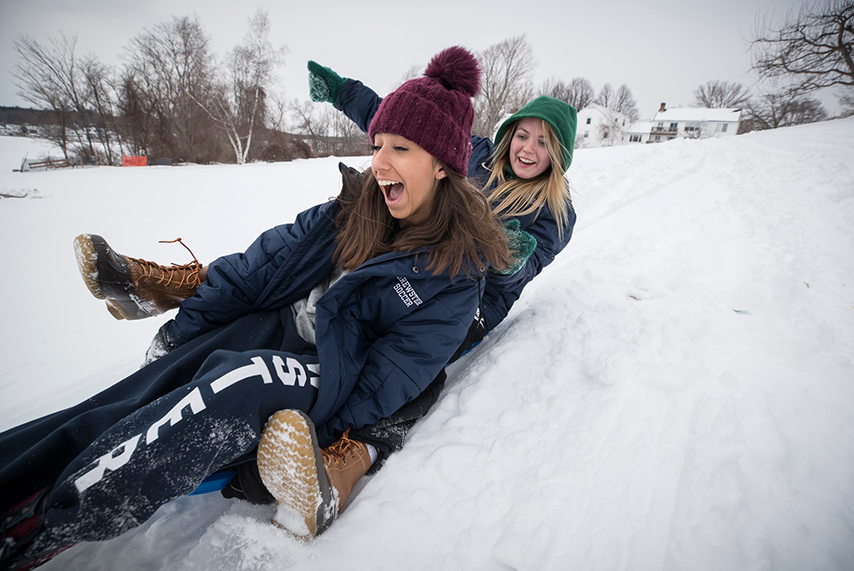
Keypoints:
pixel 435 111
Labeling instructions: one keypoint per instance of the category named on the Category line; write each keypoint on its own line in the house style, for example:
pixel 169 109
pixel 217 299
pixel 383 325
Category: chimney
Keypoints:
pixel 663 108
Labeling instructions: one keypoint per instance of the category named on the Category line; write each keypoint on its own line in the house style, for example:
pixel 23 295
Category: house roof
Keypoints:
pixel 604 111
pixel 643 127
pixel 699 114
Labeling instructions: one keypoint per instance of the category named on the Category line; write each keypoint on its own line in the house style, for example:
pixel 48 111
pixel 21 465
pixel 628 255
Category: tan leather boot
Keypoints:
pixel 346 462
pixel 310 485
pixel 132 287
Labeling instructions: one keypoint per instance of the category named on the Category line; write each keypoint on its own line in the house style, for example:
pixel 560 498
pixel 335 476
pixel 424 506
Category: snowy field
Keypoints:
pixel 676 392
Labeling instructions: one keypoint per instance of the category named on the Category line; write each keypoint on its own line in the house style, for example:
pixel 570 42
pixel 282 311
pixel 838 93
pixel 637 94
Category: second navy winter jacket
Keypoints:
pixel 384 331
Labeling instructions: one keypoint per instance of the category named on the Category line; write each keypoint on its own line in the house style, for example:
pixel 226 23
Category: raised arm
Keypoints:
pixel 359 103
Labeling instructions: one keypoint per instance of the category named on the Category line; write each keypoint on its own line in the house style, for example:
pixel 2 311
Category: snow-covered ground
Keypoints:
pixel 675 392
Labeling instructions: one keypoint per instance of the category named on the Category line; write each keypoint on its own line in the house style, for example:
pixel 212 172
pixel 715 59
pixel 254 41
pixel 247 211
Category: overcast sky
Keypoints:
pixel 662 49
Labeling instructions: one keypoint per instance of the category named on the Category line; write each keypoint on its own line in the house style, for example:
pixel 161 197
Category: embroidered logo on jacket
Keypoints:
pixel 406 292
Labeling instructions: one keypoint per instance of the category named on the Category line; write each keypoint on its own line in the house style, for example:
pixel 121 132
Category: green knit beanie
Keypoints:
pixel 560 115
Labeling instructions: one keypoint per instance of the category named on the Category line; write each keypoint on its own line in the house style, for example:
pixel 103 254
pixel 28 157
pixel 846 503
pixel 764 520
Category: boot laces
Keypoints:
pixel 183 274
pixel 338 452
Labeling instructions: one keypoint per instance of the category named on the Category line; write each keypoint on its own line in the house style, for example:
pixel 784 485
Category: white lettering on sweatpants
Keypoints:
pixel 193 400
pixel 109 461
pixel 256 368
pixel 120 455
pixel 291 372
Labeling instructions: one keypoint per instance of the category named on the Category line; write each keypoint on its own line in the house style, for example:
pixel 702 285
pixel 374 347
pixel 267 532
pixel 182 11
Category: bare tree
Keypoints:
pixel 505 84
pixel 580 93
pixel 137 107
pixel 774 110
pixel 54 77
pixel 313 123
pixel 101 95
pixel 415 70
pixel 621 100
pixel 170 68
pixel 278 108
pixel 554 87
pixel 605 98
pixel 239 103
pixel 718 94
pixel 624 102
pixel 349 140
pixel 44 76
pixel 846 101
pixel 277 144
pixel 810 50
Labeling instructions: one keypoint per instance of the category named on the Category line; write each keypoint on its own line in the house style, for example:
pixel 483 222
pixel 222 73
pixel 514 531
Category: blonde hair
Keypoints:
pixel 518 197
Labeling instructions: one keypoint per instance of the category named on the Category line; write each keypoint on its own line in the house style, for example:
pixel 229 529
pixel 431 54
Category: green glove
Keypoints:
pixel 521 245
pixel 323 83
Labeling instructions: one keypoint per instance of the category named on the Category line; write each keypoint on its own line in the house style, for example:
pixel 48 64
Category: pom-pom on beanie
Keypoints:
pixel 435 111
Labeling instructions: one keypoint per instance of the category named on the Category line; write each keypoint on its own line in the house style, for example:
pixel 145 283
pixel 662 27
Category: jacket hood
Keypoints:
pixel 560 115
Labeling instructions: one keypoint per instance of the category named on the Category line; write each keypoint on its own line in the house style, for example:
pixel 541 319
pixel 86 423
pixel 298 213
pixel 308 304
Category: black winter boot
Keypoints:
pixel 134 288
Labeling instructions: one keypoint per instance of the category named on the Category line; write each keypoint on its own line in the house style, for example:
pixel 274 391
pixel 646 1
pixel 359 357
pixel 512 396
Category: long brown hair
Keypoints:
pixel 518 197
pixel 460 228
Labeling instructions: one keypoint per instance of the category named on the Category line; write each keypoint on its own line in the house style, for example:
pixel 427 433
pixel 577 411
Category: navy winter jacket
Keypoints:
pixel 384 331
pixel 359 103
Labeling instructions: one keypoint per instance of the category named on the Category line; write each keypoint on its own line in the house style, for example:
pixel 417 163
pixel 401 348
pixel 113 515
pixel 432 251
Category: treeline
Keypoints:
pixel 768 110
pixel 22 116
pixel 171 98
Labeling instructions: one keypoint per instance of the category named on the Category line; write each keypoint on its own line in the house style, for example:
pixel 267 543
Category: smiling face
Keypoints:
pixel 529 156
pixel 408 177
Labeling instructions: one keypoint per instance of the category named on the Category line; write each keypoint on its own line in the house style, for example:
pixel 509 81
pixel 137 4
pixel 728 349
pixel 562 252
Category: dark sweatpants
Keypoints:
pixel 388 435
pixel 114 459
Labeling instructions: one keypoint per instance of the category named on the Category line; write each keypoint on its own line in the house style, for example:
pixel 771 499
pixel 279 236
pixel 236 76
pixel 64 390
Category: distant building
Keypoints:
pixel 693 123
pixel 599 126
pixel 639 131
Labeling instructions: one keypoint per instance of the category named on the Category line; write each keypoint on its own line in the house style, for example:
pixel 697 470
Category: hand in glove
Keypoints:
pixel 160 345
pixel 323 83
pixel 521 246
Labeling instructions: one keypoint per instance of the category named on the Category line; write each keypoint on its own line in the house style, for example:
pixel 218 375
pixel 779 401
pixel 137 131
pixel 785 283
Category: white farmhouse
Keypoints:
pixel 599 126
pixel 693 123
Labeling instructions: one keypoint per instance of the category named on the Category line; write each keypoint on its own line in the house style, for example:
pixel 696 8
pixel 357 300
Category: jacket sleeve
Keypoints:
pixel 359 103
pixel 241 283
pixel 503 291
pixel 481 150
pixel 406 359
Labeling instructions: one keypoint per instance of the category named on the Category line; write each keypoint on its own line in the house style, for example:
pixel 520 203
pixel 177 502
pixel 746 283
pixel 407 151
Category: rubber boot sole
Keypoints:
pixel 87 260
pixel 291 467
pixel 120 298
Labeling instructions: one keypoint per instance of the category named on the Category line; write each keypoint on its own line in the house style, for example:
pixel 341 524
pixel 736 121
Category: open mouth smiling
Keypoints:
pixel 392 189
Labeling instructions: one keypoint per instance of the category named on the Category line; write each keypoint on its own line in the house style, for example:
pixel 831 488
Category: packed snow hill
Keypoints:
pixel 676 391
